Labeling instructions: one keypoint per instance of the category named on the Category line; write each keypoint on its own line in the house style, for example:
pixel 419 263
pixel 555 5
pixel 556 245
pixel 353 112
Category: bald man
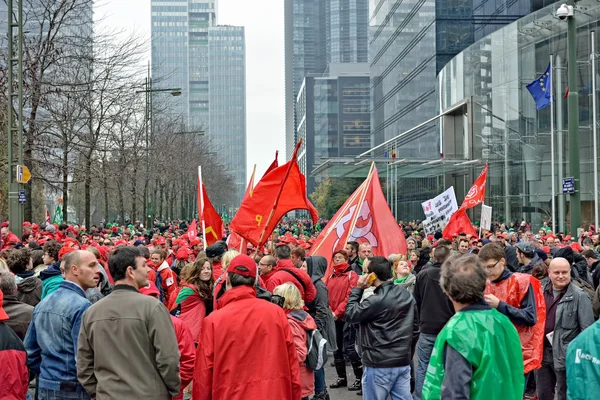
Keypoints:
pixel 51 341
pixel 568 313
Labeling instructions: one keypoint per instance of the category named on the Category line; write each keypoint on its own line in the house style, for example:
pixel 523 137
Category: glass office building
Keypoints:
pixel 492 118
pixel 410 41
pixel 227 99
pixel 208 61
pixel 333 117
pixel 347 30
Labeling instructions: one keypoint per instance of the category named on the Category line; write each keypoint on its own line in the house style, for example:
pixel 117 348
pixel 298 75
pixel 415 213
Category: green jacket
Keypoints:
pixel 583 365
pixel 490 343
pixel 50 285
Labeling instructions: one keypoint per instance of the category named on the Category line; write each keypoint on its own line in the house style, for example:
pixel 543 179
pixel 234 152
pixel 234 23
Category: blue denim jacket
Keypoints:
pixel 51 340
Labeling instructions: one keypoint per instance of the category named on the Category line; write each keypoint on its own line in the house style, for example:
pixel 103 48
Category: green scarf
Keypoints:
pixel 401 280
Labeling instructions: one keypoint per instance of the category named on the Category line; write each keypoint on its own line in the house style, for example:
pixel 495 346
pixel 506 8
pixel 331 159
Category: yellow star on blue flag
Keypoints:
pixel 537 88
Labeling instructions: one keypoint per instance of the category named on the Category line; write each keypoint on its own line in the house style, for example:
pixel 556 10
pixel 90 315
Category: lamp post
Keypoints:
pixel 148 122
pixel 15 125
pixel 573 115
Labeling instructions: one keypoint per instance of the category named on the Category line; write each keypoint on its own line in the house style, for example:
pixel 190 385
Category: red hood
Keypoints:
pixel 236 294
pixel 287 264
pixel 302 318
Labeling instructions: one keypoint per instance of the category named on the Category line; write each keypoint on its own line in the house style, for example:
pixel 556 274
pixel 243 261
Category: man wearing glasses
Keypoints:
pixel 516 295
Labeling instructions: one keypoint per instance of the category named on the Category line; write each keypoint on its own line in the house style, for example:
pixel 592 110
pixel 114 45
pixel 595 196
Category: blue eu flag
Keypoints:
pixel 541 89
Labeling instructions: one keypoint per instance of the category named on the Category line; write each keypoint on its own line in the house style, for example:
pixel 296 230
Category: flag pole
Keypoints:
pixel 360 202
pixel 287 173
pixel 200 186
pixel 552 145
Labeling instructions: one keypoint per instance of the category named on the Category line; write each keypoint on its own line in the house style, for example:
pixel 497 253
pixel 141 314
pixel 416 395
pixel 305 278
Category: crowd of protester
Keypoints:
pixel 118 312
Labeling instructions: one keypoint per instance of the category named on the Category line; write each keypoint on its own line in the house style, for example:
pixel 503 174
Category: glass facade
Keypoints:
pixel 208 61
pixel 410 41
pixel 333 121
pixel 503 127
pixel 227 99
pixel 347 40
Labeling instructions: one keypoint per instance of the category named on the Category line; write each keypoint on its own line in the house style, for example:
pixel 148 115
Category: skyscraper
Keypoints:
pixel 208 61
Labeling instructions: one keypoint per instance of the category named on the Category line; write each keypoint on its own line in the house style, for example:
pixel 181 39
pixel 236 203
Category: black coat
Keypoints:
pixel 388 325
pixel 319 308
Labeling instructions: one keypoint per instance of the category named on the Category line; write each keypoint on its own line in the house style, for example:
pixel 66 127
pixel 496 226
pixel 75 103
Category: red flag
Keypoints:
pixel 566 93
pixel 47 220
pixel 273 165
pixel 476 194
pixel 372 222
pixel 459 222
pixel 192 231
pixel 213 225
pixel 280 191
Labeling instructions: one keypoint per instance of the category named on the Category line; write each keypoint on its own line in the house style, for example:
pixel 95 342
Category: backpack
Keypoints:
pixel 585 286
pixel 316 345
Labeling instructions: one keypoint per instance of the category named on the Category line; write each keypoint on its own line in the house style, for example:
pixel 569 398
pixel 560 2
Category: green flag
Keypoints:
pixel 58 215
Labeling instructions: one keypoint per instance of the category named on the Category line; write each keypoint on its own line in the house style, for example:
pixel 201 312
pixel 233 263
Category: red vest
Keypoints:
pixel 512 291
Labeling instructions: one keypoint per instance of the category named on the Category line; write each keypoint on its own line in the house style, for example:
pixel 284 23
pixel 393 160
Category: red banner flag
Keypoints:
pixel 273 165
pixel 459 223
pixel 280 191
pixel 476 194
pixel 372 223
pixel 213 225
pixel 192 231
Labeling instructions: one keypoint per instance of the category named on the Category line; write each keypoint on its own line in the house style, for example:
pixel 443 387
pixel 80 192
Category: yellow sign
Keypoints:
pixel 23 174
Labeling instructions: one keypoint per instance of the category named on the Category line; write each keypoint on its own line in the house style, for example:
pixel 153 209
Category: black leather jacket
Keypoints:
pixel 389 325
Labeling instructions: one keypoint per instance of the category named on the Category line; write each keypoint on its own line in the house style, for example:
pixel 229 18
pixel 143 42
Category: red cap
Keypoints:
pixel 576 247
pixel 195 241
pixel 161 240
pixel 183 253
pixel 63 251
pixel 115 229
pixel 243 260
pixel 546 249
pixel 26 223
pixel 500 236
pixel 567 238
pixel 35 227
pixel 150 290
pixel 3 314
pixel 121 243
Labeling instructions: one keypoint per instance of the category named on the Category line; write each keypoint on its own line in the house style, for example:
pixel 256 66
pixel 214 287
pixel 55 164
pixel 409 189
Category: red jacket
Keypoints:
pixel 281 277
pixel 187 351
pixel 169 281
pixel 340 285
pixel 233 341
pixel 300 322
pixel 217 270
pixel 14 376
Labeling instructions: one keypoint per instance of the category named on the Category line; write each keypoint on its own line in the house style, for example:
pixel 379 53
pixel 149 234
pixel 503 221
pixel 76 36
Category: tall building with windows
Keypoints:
pixel 333 116
pixel 208 61
pixel 347 30
pixel 410 41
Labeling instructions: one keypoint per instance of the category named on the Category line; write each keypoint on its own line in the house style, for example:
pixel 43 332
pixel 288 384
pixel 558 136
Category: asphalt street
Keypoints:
pixel 331 376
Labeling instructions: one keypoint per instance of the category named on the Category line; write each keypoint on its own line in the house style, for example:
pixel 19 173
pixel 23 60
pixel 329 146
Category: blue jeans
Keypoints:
pixel 424 350
pixel 381 383
pixel 49 394
pixel 320 380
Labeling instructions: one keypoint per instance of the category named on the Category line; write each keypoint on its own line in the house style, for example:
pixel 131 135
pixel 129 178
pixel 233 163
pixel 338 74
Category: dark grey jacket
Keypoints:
pixel 319 308
pixel 573 315
pixel 388 325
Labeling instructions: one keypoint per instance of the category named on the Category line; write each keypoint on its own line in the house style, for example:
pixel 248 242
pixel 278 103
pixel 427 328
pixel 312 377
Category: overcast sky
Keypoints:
pixel 263 21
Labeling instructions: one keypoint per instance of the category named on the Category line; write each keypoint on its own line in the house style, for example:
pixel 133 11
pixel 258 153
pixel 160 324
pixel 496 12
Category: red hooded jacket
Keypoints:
pixel 300 321
pixel 14 376
pixel 233 340
pixel 280 277
pixel 187 351
pixel 340 285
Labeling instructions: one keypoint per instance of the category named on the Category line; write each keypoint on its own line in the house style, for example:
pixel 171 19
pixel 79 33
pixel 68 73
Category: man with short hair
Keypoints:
pixel 387 320
pixel 353 259
pixel 477 353
pixel 29 287
pixel 463 246
pixel 527 257
pixel 516 295
pixel 365 250
pixel 435 309
pixel 232 350
pixel 146 365
pixel 568 313
pixel 285 271
pixel 20 313
pixel 266 267
pixel 51 341
pixel 594 266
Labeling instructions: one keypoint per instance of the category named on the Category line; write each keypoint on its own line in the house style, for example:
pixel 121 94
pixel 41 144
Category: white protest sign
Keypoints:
pixel 486 217
pixel 438 210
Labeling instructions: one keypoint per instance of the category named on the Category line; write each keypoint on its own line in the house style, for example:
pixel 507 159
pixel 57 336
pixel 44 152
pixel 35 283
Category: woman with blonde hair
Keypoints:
pixel 194 301
pixel 300 321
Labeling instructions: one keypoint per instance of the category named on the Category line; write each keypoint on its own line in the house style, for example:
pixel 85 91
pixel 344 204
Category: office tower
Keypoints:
pixel 190 50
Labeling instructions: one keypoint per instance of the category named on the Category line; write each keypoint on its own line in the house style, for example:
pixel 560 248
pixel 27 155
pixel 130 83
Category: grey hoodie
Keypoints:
pixel 319 308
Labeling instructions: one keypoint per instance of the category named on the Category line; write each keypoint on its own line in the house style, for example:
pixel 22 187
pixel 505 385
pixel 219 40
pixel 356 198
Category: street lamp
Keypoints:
pixel 175 92
pixel 565 11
